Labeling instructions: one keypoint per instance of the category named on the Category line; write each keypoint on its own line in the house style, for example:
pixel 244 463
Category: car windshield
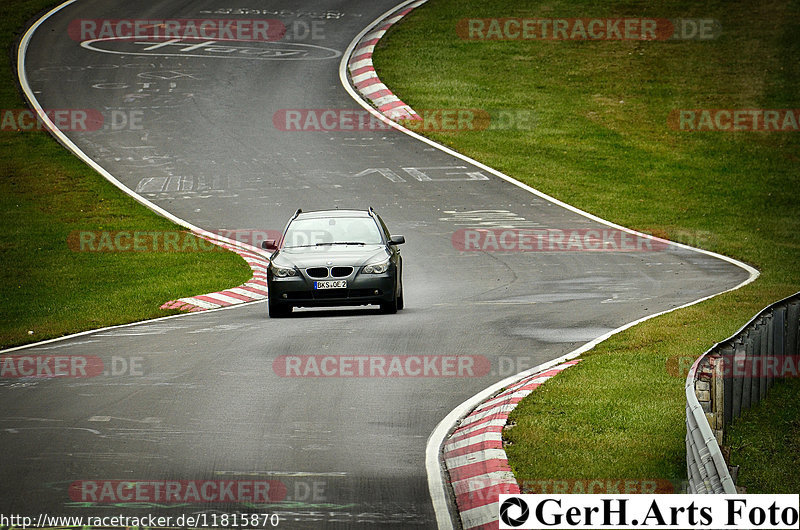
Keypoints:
pixel 332 231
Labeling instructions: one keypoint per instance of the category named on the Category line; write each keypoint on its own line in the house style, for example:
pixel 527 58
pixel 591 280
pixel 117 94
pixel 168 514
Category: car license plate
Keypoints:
pixel 331 284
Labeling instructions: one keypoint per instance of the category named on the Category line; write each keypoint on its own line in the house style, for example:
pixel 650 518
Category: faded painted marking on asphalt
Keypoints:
pixel 487 218
pixel 256 50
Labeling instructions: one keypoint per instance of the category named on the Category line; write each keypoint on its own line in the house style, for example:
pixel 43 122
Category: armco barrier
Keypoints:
pixel 732 376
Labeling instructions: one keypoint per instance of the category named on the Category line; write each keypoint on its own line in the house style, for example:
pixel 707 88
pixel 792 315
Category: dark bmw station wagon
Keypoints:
pixel 333 258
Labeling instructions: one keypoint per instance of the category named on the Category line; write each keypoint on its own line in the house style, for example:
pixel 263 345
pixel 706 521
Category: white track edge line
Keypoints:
pixel 443 518
pixel 354 94
pixel 439 495
pixel 67 143
pixel 129 324
pixel 70 145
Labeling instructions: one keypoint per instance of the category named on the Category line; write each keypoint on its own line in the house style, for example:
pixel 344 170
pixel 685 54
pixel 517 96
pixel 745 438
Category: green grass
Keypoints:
pixel 602 143
pixel 765 442
pixel 45 194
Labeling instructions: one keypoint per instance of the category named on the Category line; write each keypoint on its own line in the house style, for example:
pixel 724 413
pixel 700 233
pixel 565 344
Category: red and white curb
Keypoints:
pixel 251 291
pixel 474 457
pixel 364 77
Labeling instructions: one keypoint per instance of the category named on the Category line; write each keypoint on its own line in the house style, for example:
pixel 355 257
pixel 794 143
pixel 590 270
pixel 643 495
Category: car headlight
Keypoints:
pixel 377 268
pixel 281 272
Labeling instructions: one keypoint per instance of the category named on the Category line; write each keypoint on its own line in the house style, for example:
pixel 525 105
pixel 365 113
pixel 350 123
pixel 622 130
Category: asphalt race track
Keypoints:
pixel 204 402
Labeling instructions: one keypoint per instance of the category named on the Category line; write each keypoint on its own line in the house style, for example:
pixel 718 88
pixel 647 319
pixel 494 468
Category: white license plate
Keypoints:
pixel 331 284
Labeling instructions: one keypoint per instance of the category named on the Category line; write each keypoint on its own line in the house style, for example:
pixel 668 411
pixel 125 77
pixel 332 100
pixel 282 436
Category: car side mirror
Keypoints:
pixel 269 244
pixel 397 240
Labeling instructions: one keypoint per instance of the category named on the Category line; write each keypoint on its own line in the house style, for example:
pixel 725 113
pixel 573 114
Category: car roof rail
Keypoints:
pixel 371 211
pixel 298 212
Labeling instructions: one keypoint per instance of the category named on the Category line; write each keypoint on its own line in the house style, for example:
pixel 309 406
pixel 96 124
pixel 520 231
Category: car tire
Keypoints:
pixel 392 306
pixel 389 308
pixel 400 302
pixel 277 309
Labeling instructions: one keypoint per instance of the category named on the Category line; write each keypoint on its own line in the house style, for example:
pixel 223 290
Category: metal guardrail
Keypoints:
pixel 728 379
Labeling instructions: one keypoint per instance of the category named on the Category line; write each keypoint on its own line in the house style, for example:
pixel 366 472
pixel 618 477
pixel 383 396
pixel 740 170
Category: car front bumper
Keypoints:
pixel 363 289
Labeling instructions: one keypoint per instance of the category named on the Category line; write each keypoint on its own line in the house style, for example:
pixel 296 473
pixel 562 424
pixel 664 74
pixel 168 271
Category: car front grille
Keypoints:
pixel 317 272
pixel 324 272
pixel 341 272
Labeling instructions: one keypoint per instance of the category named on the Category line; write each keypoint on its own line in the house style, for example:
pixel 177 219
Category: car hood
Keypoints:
pixel 330 256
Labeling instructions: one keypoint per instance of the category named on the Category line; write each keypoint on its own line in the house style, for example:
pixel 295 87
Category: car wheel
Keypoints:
pixel 277 309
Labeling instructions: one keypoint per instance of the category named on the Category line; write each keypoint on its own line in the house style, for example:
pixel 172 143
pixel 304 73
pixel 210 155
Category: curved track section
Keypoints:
pixel 208 399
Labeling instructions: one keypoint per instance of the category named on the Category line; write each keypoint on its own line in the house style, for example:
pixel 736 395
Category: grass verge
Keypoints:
pixel 602 143
pixel 765 442
pixel 45 195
